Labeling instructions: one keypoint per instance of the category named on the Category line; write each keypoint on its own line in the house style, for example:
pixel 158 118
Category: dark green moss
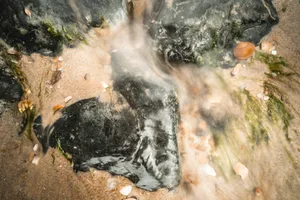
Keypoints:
pixel 236 30
pixel 215 38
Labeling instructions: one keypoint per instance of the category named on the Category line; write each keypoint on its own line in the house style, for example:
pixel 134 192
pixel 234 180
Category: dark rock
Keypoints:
pixel 137 141
pixel 10 89
pixel 53 23
pixel 205 31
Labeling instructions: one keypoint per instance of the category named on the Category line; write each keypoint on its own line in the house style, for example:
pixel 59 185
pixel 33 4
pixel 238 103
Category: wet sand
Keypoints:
pixel 270 167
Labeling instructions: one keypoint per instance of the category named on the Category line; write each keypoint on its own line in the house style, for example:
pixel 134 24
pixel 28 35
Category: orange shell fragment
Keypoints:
pixel 27 12
pixel 243 50
pixel 57 108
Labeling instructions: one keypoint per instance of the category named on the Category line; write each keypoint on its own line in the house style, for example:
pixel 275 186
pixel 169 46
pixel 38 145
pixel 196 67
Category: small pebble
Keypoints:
pixel 104 85
pixel 274 74
pixel 207 169
pixel 35 148
pixel 260 96
pixel 266 98
pixel 111 184
pixel 126 190
pixel 36 160
pixel 267 47
pixel 241 170
pixel 11 51
pixel 60 59
pixel 67 99
pixel 236 69
pixel 274 52
pixel 258 191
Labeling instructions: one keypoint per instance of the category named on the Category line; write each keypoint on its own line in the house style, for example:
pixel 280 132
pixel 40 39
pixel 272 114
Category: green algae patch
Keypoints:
pixel 62 152
pixel 275 63
pixel 52 30
pixel 254 114
pixel 68 35
pixel 277 111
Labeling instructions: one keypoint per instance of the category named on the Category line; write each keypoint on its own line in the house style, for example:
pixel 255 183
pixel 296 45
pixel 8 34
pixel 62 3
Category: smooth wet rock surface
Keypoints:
pixel 135 138
pixel 45 26
pixel 205 31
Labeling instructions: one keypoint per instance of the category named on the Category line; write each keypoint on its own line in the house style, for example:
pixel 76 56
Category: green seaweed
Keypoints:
pixel 254 115
pixel 276 108
pixel 12 61
pixel 52 29
pixel 103 22
pixel 29 115
pixel 68 34
pixel 275 63
pixel 277 111
pixel 60 150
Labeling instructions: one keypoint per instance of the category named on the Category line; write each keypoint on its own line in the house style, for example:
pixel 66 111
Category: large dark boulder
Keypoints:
pixel 135 137
pixel 205 31
pixel 50 24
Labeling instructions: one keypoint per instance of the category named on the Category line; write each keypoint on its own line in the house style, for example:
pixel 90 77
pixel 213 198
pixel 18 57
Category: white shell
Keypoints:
pixel 236 69
pixel 126 190
pixel 274 52
pixel 35 148
pixel 36 160
pixel 68 98
pixel 104 85
pixel 207 169
pixel 241 170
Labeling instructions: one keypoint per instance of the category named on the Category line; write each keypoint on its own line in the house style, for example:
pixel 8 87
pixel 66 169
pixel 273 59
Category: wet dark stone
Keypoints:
pixel 136 140
pixel 205 31
pixel 53 23
pixel 10 89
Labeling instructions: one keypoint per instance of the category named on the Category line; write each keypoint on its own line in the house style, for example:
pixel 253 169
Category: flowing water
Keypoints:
pixel 236 138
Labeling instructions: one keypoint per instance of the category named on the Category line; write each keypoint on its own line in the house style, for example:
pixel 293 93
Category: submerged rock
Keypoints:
pixel 205 31
pixel 134 137
pixel 10 89
pixel 44 26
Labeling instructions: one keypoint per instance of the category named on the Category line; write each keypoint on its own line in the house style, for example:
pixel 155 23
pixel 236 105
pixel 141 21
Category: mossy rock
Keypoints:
pixel 52 24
